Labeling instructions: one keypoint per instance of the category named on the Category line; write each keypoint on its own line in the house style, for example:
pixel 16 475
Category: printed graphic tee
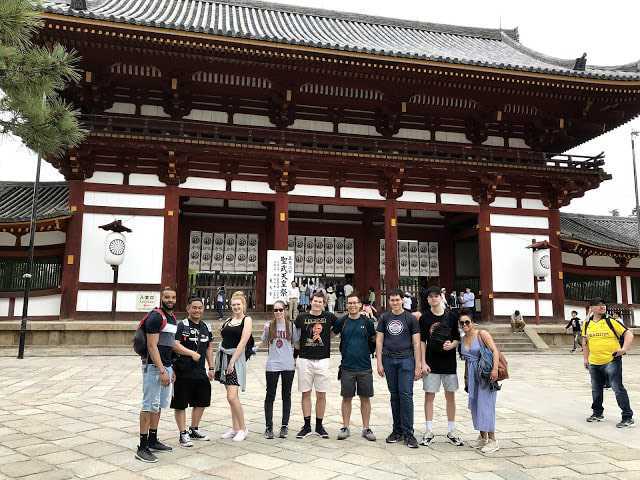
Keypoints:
pixel 315 334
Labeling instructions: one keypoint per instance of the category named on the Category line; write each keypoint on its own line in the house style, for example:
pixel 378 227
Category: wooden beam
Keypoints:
pixel 71 259
pixel 170 240
pixel 555 253
pixel 391 276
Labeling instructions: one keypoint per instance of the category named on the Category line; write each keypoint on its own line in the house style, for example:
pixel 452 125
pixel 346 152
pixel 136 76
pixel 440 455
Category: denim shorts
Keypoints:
pixel 155 395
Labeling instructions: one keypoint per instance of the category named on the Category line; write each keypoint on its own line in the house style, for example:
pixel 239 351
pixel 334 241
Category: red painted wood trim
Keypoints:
pixel 623 287
pixel 71 258
pixel 529 212
pixel 23 252
pixel 557 283
pixel 522 295
pixel 521 230
pixel 391 275
pixel 170 243
pixel 486 264
pixel 122 287
pixel 158 212
pixel 281 222
pixel 34 293
pixel 600 271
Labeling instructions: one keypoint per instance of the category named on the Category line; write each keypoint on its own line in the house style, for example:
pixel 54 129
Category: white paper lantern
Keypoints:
pixel 541 263
pixel 115 246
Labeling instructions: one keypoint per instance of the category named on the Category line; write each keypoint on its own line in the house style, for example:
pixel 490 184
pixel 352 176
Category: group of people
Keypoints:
pixel 408 346
pixel 299 298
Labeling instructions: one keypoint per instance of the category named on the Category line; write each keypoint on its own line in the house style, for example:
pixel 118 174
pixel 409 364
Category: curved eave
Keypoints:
pixel 597 249
pixel 22 226
pixel 88 18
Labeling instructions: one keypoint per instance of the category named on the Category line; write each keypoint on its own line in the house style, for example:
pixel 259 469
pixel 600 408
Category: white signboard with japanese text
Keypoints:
pixel 280 274
pixel 146 301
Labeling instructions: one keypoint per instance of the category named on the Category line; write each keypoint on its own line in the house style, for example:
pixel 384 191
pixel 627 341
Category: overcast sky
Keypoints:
pixel 607 31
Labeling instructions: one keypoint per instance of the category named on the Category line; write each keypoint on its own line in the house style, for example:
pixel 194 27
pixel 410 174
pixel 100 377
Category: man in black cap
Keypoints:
pixel 605 341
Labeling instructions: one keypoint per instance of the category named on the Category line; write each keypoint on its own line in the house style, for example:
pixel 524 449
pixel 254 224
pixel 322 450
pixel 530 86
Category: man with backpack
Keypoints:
pixel 440 338
pixel 155 341
pixel 356 377
pixel 192 387
pixel 605 341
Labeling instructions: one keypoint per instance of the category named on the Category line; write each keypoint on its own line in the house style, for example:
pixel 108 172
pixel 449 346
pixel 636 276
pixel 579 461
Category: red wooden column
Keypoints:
pixel 486 264
pixel 281 221
pixel 391 276
pixel 555 253
pixel 73 244
pixel 170 244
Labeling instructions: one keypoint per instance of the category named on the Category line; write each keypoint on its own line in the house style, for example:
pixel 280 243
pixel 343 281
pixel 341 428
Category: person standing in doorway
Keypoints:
pixel 314 331
pixel 294 299
pixel 331 299
pixel 605 341
pixel 279 335
pixel 575 325
pixel 356 376
pixel 193 381
pixel 440 338
pixel 468 301
pixel 398 359
pixel 372 296
pixel 220 294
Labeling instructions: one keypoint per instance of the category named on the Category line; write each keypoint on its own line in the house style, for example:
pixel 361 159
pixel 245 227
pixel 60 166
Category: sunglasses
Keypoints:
pixel 278 309
pixel 464 322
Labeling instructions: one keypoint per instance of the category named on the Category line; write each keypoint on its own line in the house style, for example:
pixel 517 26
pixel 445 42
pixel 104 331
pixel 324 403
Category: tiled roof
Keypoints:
pixel 15 201
pixel 285 24
pixel 613 233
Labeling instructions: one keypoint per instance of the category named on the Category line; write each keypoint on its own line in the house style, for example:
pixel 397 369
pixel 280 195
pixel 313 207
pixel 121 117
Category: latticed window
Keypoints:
pixel 47 273
pixel 584 288
pixel 635 289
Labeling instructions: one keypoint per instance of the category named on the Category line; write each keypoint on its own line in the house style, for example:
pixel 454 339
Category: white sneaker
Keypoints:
pixel 241 435
pixel 490 447
pixel 479 442
pixel 228 434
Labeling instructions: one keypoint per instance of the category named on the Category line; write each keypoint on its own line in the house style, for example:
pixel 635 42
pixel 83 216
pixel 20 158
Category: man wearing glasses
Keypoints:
pixel 356 377
pixel 605 341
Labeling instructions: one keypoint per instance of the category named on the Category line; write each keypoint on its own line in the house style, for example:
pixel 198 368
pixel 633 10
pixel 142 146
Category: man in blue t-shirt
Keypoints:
pixel 356 376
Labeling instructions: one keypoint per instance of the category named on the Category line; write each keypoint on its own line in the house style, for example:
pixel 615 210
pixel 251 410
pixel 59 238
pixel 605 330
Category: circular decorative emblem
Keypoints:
pixel 229 257
pixel 339 260
pixel 299 259
pixel 403 248
pixel 217 257
pixel 348 260
pixel 290 244
pixel 329 260
pixel 242 242
pixel 117 246
pixel 309 259
pixel 404 263
pixel 252 258
pixel 195 239
pixel 544 262
pixel 395 327
pixel 242 257
pixel 319 244
pixel 328 245
pixel 253 242
pixel 299 244
pixel 231 241
pixel 319 260
pixel 218 241
pixel 207 241
pixel 195 255
pixel 423 249
pixel 339 245
pixel 433 248
pixel 310 245
pixel 413 249
pixel 206 257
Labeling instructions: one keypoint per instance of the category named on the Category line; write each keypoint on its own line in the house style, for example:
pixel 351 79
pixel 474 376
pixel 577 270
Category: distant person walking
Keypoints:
pixel 294 299
pixel 575 325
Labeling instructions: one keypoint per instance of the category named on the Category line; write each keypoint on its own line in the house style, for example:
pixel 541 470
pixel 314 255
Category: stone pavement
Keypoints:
pixel 76 417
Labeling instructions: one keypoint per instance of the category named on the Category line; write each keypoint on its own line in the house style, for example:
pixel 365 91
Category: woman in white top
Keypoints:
pixel 331 299
pixel 278 334
pixel 294 299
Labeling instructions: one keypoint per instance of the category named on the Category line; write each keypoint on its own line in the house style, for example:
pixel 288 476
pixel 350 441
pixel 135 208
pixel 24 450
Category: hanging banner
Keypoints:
pixel 291 243
pixel 252 252
pixel 383 257
pixel 207 252
pixel 309 254
pixel 241 252
pixel 299 263
pixel 329 255
pixel 195 242
pixel 423 259
pixel 319 268
pixel 403 258
pixel 414 262
pixel 349 255
pixel 338 255
pixel 434 260
pixel 229 261
pixel 217 254
pixel 280 274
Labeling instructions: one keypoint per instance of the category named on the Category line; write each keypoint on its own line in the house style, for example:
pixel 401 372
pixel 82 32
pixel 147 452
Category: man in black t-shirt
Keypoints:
pixel 314 329
pixel 440 337
pixel 574 323
pixel 157 373
pixel 192 387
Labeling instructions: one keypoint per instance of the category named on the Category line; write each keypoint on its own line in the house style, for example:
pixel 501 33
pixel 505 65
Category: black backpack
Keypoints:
pixel 610 325
pixel 140 335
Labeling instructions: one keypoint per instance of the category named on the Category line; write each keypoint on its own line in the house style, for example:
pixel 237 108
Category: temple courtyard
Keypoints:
pixel 76 416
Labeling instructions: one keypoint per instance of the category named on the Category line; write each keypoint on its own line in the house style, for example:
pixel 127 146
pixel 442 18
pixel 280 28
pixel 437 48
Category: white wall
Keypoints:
pixel 451 137
pixel 506 306
pixel 202 183
pixel 356 129
pixel 143 260
pixel 314 125
pixel 251 120
pixel 44 238
pixel 361 193
pixel 313 191
pixel 517 143
pixel 4 307
pixel 582 312
pixel 418 197
pixel 153 111
pixel 636 317
pixel 601 261
pixel 494 141
pixel 413 133
pixel 109 178
pixel 250 187
pixel 145 180
pixel 94 301
pixel 207 116
pixel 457 199
pixel 533 204
pixel 571 258
pixel 505 202
pixel 136 200
pixel 40 306
pixel 122 108
pixel 627 285
pixel 519 221
pixel 634 263
pixel 512 264
pixel 7 239
pixel 619 289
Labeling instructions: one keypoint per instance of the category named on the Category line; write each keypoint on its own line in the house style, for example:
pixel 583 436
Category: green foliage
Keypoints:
pixel 31 78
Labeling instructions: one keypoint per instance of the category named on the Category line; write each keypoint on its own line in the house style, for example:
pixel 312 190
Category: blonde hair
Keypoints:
pixel 243 300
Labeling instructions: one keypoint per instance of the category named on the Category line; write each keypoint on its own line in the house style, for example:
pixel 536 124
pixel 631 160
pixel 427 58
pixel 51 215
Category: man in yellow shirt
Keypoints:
pixel 602 337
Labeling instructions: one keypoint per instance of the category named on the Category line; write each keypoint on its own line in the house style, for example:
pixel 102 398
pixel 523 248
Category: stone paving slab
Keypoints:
pixel 76 417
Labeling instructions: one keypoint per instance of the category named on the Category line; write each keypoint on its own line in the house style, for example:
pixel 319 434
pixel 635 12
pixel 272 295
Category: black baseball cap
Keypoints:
pixel 596 301
pixel 434 290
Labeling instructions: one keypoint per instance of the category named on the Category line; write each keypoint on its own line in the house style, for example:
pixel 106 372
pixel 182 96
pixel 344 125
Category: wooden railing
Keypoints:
pixel 458 152
pixel 47 273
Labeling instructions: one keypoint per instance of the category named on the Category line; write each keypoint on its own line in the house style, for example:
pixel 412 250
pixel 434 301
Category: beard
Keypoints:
pixel 167 306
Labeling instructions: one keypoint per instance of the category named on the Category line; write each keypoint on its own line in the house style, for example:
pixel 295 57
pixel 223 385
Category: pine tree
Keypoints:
pixel 31 79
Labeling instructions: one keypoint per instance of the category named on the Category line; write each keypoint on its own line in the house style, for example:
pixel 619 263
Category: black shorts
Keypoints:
pixel 189 392
pixel 354 383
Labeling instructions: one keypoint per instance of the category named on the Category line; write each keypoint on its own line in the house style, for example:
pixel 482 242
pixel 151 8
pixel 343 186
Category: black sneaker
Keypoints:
pixel 321 431
pixel 626 423
pixel 304 432
pixel 393 438
pixel 410 441
pixel 145 455
pixel 158 446
pixel 268 433
pixel 284 431
pixel 595 418
pixel 196 434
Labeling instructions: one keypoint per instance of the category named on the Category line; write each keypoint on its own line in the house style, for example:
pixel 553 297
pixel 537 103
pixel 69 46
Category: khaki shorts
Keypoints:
pixel 431 383
pixel 313 374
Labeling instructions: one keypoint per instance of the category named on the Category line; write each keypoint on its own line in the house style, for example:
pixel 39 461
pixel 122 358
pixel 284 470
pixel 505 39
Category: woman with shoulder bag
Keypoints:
pixel 482 391
pixel 231 363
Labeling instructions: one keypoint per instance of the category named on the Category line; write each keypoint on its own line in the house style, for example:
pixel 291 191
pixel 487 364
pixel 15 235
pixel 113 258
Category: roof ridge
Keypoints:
pixel 629 218
pixel 602 231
